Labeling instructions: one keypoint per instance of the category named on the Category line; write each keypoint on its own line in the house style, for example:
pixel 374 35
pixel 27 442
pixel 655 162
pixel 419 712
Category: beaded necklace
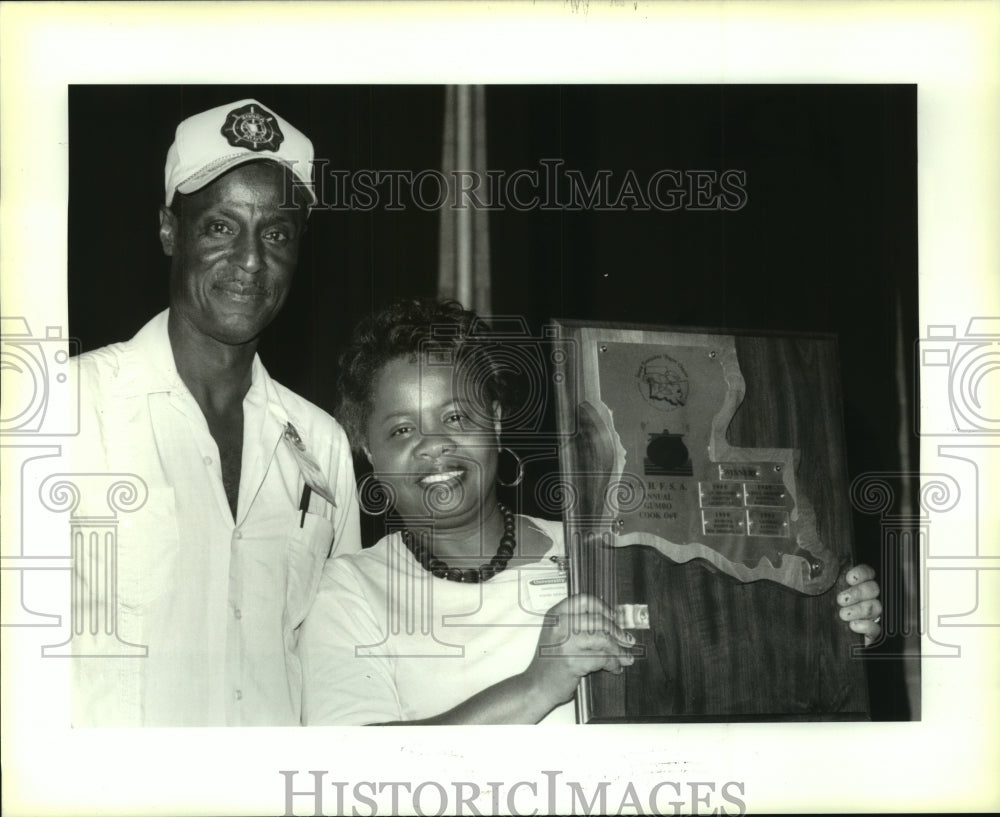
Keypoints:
pixel 484 572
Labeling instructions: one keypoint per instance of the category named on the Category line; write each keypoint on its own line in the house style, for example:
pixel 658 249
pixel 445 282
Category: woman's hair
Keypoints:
pixel 435 332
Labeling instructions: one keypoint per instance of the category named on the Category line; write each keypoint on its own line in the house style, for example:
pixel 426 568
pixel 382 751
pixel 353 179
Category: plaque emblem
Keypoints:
pixel 663 383
pixel 253 128
pixel 667 455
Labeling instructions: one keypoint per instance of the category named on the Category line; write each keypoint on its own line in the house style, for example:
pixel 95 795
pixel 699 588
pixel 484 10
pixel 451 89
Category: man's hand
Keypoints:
pixel 859 604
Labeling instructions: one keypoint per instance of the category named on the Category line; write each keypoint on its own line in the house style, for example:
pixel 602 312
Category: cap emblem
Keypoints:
pixel 253 128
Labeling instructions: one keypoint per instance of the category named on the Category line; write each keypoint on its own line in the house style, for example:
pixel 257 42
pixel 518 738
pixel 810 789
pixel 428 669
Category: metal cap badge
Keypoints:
pixel 253 127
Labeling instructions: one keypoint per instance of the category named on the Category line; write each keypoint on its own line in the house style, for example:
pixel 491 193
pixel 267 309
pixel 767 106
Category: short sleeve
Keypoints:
pixel 347 527
pixel 341 687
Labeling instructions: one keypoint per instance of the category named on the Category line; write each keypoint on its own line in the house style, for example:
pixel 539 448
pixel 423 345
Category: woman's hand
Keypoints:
pixel 580 636
pixel 859 604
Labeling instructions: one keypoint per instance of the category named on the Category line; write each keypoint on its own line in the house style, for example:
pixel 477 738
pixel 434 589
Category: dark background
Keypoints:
pixel 827 240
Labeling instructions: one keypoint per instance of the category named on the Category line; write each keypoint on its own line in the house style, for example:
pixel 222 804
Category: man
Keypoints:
pixel 248 488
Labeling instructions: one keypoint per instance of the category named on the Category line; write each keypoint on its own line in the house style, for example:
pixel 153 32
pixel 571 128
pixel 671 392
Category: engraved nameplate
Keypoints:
pixel 720 494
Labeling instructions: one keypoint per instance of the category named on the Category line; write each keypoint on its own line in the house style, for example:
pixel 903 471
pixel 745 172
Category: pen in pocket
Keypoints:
pixel 304 503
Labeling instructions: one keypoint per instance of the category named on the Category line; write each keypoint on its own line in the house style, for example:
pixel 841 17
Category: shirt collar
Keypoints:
pixel 150 368
pixel 149 361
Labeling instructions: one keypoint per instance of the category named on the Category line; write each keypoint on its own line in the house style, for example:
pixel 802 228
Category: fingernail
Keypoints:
pixel 845 598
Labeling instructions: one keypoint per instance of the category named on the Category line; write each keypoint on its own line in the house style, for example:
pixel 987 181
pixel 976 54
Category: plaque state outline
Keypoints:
pixel 794 571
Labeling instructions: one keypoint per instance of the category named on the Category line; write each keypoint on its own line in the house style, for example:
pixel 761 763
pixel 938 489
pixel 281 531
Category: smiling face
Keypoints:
pixel 427 446
pixel 233 251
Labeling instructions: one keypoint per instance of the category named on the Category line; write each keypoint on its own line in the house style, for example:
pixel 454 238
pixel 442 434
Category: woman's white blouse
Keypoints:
pixel 387 641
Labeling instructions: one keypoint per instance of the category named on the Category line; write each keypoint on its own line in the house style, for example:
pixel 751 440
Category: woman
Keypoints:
pixel 433 624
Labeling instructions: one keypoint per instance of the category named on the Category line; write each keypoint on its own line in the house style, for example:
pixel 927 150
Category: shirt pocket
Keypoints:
pixel 308 547
pixel 147 552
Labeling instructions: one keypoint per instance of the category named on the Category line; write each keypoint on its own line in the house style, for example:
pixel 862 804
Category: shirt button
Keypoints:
pixel 238 613
pixel 239 695
pixel 237 534
pixel 208 460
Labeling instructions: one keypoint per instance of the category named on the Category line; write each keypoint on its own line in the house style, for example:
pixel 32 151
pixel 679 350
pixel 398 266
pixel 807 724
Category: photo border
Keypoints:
pixel 946 761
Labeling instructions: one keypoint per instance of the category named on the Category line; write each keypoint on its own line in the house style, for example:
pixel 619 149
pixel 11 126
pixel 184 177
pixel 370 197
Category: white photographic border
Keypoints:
pixel 947 761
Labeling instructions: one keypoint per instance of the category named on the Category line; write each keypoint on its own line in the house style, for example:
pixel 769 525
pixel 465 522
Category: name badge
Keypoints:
pixel 544 588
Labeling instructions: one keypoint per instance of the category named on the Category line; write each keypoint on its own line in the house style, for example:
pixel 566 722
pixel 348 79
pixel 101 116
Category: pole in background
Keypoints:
pixel 464 251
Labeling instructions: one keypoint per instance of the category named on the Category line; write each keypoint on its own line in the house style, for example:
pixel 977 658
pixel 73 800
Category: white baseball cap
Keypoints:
pixel 208 144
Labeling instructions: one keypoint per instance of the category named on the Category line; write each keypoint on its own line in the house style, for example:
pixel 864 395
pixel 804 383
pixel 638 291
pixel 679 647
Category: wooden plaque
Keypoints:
pixel 705 489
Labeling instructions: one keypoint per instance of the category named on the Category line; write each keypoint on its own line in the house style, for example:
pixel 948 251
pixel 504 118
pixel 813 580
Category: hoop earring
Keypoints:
pixel 375 498
pixel 520 470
